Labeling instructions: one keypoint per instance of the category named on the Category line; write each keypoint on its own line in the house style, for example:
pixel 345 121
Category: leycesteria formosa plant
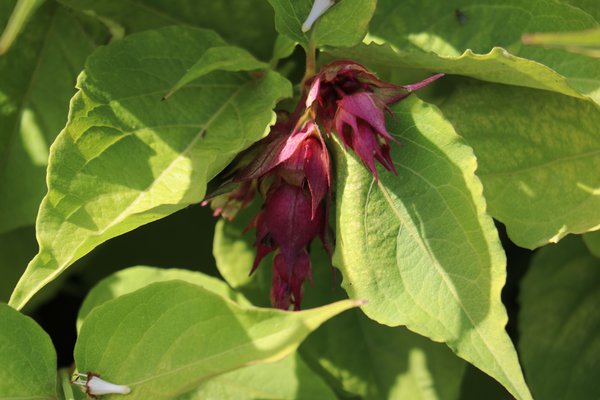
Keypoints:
pixel 291 167
pixel 230 176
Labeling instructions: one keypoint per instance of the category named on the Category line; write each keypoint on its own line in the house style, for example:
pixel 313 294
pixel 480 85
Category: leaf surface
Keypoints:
pixel 219 58
pixel 538 156
pixel 559 321
pixel 127 158
pixel 463 36
pixel 168 337
pixel 420 248
pixel 246 23
pixel 134 278
pixel 288 379
pixel 27 358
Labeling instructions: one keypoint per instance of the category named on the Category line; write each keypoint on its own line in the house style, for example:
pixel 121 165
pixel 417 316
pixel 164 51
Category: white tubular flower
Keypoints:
pixel 93 385
pixel 319 7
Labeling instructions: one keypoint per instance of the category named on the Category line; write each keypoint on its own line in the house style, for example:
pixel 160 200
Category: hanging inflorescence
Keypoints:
pixel 291 168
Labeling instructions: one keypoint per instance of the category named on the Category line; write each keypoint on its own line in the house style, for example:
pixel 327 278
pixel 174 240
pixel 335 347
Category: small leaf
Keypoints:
pixel 27 358
pixel 559 320
pixel 126 158
pixel 288 379
pixel 134 278
pixel 167 337
pixel 223 58
pixel 284 47
pixel 539 157
pixel 420 248
pixel 343 25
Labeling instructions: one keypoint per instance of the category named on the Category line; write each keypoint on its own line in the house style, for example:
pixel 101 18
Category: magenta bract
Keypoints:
pixel 344 95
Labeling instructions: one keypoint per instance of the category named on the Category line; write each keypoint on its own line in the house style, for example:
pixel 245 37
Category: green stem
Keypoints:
pixel 65 380
pixel 311 62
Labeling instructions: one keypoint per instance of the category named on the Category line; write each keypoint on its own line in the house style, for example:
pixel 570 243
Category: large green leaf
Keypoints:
pixel 559 321
pixel 248 23
pixel 288 379
pixel 419 246
pixel 359 356
pixel 134 278
pixel 166 338
pixel 39 73
pixel 539 157
pixel 433 26
pixel 27 358
pixel 127 158
pixel 343 25
pixel 498 65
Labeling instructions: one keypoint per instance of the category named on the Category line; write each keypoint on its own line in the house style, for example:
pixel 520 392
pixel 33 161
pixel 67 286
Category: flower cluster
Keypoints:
pixel 291 168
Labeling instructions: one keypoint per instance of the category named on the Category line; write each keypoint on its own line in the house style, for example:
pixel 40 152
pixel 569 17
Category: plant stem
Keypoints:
pixel 311 62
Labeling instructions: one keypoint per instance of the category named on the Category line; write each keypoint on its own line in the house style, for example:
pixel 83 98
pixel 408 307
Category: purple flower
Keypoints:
pixel 292 172
pixel 344 95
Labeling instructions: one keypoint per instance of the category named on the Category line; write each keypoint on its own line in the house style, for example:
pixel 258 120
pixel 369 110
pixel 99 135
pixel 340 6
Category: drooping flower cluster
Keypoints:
pixel 291 168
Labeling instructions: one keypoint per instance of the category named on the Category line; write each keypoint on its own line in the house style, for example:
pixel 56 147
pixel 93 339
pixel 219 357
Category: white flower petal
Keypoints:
pixel 97 386
pixel 319 7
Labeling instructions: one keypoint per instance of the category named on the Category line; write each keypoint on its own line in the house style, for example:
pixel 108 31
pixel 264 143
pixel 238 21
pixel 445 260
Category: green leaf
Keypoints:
pixel 134 278
pixel 538 156
pixel 359 356
pixel 18 19
pixel 220 58
pixel 289 378
pixel 592 241
pixel 419 246
pixel 498 65
pixel 378 362
pixel 27 358
pixel 246 23
pixel 40 74
pixel 559 320
pixel 435 27
pixel 127 158
pixel 283 48
pixel 234 251
pixel 167 337
pixel 343 25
